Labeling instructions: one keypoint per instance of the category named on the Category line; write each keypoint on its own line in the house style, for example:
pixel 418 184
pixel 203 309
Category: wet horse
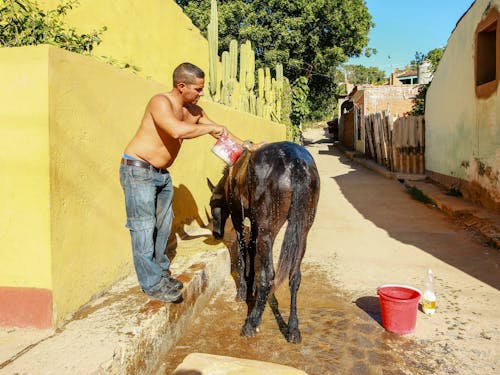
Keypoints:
pixel 278 182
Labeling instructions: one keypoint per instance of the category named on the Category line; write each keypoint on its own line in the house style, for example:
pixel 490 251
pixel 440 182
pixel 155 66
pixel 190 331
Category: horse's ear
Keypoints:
pixel 210 185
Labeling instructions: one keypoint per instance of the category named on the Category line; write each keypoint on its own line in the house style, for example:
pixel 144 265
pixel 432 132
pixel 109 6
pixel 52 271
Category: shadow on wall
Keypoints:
pixel 446 241
pixel 185 210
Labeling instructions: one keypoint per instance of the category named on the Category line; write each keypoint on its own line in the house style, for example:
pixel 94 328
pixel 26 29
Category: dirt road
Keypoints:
pixel 369 232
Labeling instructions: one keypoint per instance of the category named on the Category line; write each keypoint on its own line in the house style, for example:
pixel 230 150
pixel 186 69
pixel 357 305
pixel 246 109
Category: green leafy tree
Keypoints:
pixel 300 107
pixel 419 105
pixel 24 23
pixel 359 74
pixel 434 57
pixel 419 59
pixel 309 37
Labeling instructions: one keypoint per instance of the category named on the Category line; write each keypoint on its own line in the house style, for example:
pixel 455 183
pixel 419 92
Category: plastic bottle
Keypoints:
pixel 429 297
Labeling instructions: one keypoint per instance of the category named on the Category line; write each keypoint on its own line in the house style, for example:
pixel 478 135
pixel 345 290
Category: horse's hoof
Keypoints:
pixel 294 337
pixel 248 331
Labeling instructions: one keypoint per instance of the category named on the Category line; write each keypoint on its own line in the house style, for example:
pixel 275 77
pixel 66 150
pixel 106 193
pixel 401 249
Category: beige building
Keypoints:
pixel 463 108
pixel 364 100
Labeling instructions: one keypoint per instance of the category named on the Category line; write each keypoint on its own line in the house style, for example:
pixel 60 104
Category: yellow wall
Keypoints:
pixel 65 120
pixel 25 256
pixel 65 123
pixel 92 109
pixel 460 128
pixel 154 35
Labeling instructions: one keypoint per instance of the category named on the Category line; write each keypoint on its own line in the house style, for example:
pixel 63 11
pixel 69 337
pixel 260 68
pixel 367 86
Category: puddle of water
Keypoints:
pixel 338 337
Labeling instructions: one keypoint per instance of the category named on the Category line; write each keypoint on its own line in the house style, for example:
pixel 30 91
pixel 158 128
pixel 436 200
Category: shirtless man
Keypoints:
pixel 169 118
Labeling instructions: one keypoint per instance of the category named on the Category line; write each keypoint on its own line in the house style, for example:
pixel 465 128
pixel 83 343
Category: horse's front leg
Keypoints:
pixel 264 275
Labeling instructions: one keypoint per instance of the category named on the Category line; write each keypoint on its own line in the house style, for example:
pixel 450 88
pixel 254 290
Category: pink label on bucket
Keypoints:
pixel 227 149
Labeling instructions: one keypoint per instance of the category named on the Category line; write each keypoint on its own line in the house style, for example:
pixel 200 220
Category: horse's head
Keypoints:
pixel 219 207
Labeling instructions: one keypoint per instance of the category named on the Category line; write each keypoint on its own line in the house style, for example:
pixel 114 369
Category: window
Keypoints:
pixel 487 55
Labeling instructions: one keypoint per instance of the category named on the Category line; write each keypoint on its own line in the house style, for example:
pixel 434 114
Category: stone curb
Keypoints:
pixel 124 331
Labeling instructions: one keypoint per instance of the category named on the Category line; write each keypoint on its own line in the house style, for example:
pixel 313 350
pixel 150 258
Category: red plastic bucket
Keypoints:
pixel 399 306
pixel 227 149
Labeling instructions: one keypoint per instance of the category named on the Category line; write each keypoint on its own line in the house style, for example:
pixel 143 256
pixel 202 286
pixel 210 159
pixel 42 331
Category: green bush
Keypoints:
pixel 24 23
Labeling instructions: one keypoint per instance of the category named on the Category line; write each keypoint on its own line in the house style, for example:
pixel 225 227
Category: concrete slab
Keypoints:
pixel 209 364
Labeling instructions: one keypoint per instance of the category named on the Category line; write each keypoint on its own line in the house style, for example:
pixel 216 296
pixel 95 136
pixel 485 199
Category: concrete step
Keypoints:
pixel 123 331
pixel 209 364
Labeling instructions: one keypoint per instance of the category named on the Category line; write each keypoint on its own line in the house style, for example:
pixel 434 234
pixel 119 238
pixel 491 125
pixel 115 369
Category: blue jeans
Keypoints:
pixel 148 202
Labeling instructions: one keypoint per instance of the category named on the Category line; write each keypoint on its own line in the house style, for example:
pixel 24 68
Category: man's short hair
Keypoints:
pixel 187 73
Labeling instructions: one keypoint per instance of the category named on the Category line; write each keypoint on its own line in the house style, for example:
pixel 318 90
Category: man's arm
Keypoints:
pixel 246 144
pixel 204 120
pixel 163 115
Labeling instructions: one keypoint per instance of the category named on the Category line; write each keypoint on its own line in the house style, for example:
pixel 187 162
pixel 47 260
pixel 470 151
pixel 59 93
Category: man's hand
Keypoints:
pixel 218 131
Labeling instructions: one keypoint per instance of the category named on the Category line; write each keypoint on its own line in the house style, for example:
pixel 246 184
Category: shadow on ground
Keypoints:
pixel 415 223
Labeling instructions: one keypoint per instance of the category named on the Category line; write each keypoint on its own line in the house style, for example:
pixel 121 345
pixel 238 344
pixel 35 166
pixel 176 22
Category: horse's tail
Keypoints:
pixel 300 217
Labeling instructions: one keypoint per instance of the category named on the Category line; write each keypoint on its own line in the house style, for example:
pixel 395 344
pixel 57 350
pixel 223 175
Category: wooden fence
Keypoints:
pixel 398 145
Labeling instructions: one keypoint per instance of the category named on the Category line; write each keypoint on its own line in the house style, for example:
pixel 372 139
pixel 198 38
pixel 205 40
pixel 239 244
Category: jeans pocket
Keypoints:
pixel 140 174
pixel 137 224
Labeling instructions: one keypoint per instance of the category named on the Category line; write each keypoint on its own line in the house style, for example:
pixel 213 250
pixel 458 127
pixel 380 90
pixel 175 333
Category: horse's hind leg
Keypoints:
pixel 293 322
pixel 294 283
pixel 264 270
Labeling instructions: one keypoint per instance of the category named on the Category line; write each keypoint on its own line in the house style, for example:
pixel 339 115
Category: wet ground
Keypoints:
pixel 338 337
pixel 367 232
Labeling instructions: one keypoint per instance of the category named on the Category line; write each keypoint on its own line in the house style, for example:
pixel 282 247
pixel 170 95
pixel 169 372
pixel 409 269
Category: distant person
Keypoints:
pixel 169 118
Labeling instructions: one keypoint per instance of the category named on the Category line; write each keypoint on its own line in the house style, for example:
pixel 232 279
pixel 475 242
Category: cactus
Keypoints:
pixel 252 103
pixel 234 93
pixel 267 85
pixel 233 58
pixel 244 105
pixel 213 42
pixel 225 79
pixel 250 77
pixel 259 108
pixel 261 80
pixel 279 73
pixel 229 70
pixel 286 103
pixel 247 75
pixel 279 90
pixel 271 101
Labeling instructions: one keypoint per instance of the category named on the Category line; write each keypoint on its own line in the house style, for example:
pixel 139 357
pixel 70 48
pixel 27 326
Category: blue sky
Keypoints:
pixel 405 27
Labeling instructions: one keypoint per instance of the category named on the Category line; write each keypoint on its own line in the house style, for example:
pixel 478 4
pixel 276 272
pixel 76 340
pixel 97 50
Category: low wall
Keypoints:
pixel 155 36
pixel 66 119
